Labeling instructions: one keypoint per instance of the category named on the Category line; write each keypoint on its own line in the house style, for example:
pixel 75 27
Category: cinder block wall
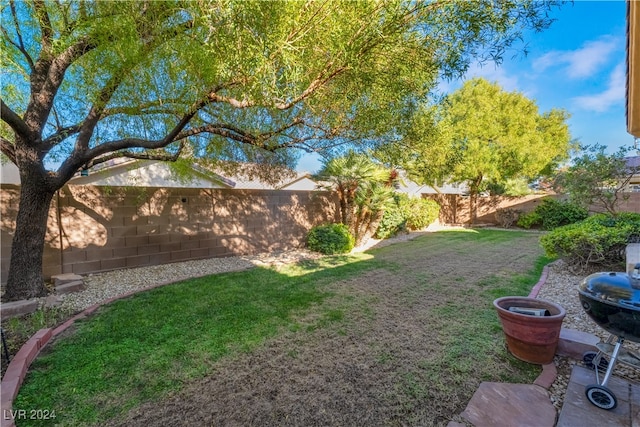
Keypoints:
pixel 93 229
pixel 454 209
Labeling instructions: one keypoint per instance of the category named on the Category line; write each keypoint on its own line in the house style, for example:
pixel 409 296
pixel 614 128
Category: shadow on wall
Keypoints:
pixel 94 229
pixel 454 208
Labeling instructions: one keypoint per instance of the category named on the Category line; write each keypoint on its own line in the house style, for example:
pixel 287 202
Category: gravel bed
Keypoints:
pixel 561 288
pixel 102 286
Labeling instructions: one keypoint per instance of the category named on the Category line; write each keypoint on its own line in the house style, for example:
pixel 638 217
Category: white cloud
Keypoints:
pixel 614 94
pixel 490 71
pixel 493 73
pixel 583 62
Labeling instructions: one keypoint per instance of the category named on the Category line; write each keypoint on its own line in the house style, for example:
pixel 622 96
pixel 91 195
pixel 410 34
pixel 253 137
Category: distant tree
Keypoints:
pixel 487 137
pixel 596 179
pixel 87 82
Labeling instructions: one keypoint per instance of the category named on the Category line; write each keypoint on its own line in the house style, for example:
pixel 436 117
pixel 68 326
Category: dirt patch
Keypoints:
pixel 371 356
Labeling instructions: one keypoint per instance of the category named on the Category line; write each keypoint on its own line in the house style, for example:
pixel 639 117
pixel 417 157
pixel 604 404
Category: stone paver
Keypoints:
pixel 575 343
pixel 578 411
pixel 508 405
pixel 18 308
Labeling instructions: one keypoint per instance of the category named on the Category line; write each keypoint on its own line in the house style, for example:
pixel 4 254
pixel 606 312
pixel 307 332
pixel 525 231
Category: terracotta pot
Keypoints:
pixel 533 339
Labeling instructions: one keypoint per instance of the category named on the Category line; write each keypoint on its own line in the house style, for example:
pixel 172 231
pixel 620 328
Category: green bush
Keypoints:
pixel 330 239
pixel 407 213
pixel 419 213
pixel 552 213
pixel 599 241
pixel 528 220
pixel 393 221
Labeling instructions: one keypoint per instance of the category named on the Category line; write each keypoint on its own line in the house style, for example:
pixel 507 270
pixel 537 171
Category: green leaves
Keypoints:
pixel 489 136
pixel 597 178
pixel 597 241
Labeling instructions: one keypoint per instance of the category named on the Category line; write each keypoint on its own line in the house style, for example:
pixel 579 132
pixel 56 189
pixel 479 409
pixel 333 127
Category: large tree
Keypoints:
pixel 89 81
pixel 485 137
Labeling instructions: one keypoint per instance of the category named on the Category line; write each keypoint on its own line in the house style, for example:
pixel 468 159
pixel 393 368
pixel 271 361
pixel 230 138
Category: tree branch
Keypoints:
pixel 46 80
pixel 14 121
pixel 318 82
pixel 8 149
pixel 62 134
pixel 46 32
pixel 20 43
pixel 165 157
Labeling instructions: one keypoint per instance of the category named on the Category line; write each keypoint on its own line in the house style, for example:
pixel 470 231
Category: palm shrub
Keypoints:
pixel 599 241
pixel 330 239
pixel 393 221
pixel 372 199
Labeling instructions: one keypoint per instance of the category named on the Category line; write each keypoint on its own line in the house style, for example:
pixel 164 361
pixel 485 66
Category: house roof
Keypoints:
pixel 147 173
pixel 304 181
pixel 151 173
pixel 633 162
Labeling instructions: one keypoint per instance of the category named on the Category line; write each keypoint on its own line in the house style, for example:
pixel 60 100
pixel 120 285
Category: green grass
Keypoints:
pixel 144 347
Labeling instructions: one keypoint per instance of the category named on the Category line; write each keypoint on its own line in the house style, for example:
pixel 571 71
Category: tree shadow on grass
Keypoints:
pixel 374 338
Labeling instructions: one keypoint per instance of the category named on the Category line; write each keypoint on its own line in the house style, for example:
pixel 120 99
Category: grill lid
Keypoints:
pixel 612 287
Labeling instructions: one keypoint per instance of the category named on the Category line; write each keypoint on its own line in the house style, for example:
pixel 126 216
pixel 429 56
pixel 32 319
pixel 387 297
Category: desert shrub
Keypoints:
pixel 507 216
pixel 330 239
pixel 555 213
pixel 407 213
pixel 598 241
pixel 552 213
pixel 419 213
pixel 529 219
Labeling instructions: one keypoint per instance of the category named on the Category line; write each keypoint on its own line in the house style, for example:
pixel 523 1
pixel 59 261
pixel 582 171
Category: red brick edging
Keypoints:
pixel 543 278
pixel 549 372
pixel 17 369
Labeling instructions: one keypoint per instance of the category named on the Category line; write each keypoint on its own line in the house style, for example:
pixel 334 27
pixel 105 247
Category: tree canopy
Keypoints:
pixel 85 82
pixel 482 135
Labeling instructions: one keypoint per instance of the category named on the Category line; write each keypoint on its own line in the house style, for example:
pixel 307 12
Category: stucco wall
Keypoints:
pixel 94 229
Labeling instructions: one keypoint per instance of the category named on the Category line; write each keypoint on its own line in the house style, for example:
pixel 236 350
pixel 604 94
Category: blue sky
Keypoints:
pixel 578 65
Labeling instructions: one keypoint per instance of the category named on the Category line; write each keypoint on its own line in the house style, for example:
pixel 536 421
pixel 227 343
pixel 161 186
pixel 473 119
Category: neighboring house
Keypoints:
pixel 146 173
pixel 302 182
pixel 409 187
pixel 153 173
pixel 634 183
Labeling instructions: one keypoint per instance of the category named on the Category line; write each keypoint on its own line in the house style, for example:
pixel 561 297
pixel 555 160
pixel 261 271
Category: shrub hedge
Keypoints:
pixel 552 213
pixel 407 213
pixel 330 239
pixel 599 241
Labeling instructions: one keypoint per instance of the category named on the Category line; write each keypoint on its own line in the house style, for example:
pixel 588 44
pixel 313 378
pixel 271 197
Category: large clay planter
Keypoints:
pixel 533 339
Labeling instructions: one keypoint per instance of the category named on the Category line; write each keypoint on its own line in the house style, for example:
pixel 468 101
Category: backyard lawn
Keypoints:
pixel 401 335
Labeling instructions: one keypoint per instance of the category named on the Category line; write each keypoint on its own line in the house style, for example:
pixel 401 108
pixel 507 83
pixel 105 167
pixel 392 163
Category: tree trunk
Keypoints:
pixel 473 199
pixel 25 270
pixel 473 206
